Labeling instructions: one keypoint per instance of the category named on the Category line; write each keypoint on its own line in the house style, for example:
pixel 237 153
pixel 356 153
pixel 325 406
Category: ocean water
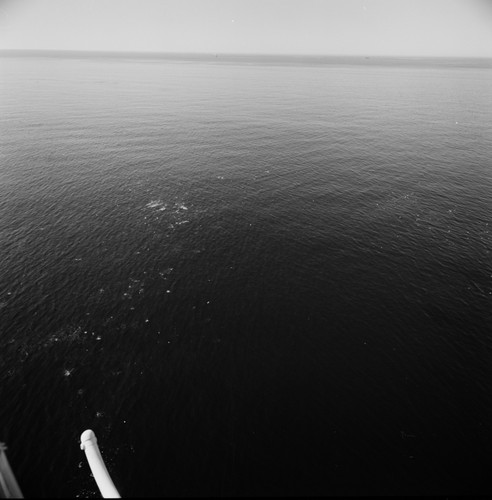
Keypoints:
pixel 247 276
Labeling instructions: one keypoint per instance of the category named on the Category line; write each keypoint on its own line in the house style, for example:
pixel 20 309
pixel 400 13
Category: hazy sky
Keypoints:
pixel 366 27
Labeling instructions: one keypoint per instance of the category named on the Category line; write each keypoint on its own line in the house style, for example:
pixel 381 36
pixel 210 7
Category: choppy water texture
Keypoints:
pixel 247 279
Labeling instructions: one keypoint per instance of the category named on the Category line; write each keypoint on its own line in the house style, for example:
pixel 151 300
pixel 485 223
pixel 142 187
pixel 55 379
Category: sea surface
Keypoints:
pixel 249 276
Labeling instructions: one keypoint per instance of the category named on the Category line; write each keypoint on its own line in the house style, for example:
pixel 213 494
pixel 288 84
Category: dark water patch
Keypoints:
pixel 247 280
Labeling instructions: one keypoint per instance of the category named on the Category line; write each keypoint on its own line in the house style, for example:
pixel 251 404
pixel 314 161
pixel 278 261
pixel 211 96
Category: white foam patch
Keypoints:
pixel 156 204
pixel 174 213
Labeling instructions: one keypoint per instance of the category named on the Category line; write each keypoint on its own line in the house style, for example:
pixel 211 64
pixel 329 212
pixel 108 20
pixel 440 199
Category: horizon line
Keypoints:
pixel 236 54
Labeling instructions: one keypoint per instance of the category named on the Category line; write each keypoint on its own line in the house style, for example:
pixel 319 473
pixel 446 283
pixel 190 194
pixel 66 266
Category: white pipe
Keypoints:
pixel 88 443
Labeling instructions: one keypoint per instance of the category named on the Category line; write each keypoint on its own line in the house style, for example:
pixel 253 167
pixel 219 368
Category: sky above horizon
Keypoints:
pixel 459 28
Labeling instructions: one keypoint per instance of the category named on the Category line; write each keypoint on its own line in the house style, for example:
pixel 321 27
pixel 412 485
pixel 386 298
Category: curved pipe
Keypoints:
pixel 88 443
